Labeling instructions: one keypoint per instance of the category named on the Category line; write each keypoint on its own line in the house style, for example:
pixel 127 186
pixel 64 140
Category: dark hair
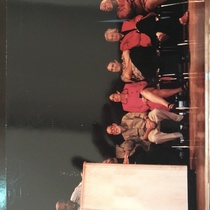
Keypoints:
pixel 71 205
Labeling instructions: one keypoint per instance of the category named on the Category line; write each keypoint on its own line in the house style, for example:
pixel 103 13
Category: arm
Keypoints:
pixel 150 125
pixel 128 145
pixel 142 115
pixel 145 136
pixel 125 9
pixel 127 64
pixel 126 159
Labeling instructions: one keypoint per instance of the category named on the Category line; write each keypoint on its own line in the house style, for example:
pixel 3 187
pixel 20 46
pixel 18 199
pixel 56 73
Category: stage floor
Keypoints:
pixel 198 113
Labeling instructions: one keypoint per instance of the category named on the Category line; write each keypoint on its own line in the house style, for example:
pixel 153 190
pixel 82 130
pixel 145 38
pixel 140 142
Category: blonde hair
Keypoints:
pixel 110 31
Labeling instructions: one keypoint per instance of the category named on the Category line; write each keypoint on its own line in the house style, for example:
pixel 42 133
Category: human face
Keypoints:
pixel 114 66
pixel 114 129
pixel 106 5
pixel 114 36
pixel 115 97
pixel 110 160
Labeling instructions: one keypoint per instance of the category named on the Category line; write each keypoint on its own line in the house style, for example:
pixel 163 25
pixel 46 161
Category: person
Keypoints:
pixel 146 128
pixel 66 205
pixel 110 160
pixel 123 151
pixel 76 195
pixel 131 71
pixel 127 9
pixel 143 31
pixel 139 97
pixel 130 152
pixel 130 75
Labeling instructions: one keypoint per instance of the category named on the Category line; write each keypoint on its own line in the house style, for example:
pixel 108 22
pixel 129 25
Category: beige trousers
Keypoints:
pixel 158 137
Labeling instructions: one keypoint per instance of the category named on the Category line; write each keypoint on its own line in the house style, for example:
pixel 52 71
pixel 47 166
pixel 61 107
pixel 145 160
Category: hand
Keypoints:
pixel 150 124
pixel 144 100
pixel 126 160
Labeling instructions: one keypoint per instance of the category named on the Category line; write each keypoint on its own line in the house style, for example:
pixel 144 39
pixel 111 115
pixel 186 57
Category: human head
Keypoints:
pixel 114 66
pixel 115 97
pixel 112 35
pixel 110 160
pixel 113 129
pixel 66 205
pixel 106 5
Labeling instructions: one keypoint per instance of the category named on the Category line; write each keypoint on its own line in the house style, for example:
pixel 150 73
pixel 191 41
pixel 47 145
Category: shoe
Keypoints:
pixel 185 120
pixel 162 37
pixel 185 86
pixel 172 107
pixel 184 19
pixel 185 134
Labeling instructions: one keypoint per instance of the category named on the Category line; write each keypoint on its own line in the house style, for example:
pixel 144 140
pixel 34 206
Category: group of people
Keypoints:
pixel 146 106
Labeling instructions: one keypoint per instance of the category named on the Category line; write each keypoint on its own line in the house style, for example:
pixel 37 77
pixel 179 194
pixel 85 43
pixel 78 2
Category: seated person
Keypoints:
pixel 145 128
pixel 138 97
pixel 127 9
pixel 124 151
pixel 143 31
pixel 157 154
pixel 131 74
pixel 144 67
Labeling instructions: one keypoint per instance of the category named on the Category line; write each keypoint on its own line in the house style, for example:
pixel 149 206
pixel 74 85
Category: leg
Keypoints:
pixel 158 115
pixel 158 137
pixel 165 93
pixel 154 98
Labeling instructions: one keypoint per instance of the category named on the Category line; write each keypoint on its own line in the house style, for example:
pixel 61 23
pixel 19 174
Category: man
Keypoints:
pixel 146 127
pixel 131 152
pixel 66 205
pixel 124 151
pixel 127 9
pixel 74 202
pixel 76 195
pixel 132 101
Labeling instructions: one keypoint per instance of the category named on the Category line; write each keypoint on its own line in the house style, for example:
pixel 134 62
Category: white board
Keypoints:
pixel 134 187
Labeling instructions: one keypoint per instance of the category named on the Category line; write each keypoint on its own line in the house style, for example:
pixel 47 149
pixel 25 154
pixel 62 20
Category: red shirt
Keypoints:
pixel 134 38
pixel 133 102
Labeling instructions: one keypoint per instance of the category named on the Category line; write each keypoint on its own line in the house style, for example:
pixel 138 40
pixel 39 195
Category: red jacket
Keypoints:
pixel 134 38
pixel 134 103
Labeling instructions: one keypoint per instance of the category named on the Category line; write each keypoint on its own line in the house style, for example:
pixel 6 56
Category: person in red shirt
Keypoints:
pixel 144 31
pixel 137 97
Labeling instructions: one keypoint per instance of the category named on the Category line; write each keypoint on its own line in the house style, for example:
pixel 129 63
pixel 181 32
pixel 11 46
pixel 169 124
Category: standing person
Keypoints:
pixel 76 195
pixel 127 9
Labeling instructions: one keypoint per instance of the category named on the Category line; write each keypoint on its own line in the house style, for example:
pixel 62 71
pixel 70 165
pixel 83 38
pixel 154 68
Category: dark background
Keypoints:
pixel 57 89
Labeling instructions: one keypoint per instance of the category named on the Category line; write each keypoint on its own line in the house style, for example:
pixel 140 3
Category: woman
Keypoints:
pixel 143 31
pixel 137 64
pixel 131 74
pixel 127 9
pixel 141 97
